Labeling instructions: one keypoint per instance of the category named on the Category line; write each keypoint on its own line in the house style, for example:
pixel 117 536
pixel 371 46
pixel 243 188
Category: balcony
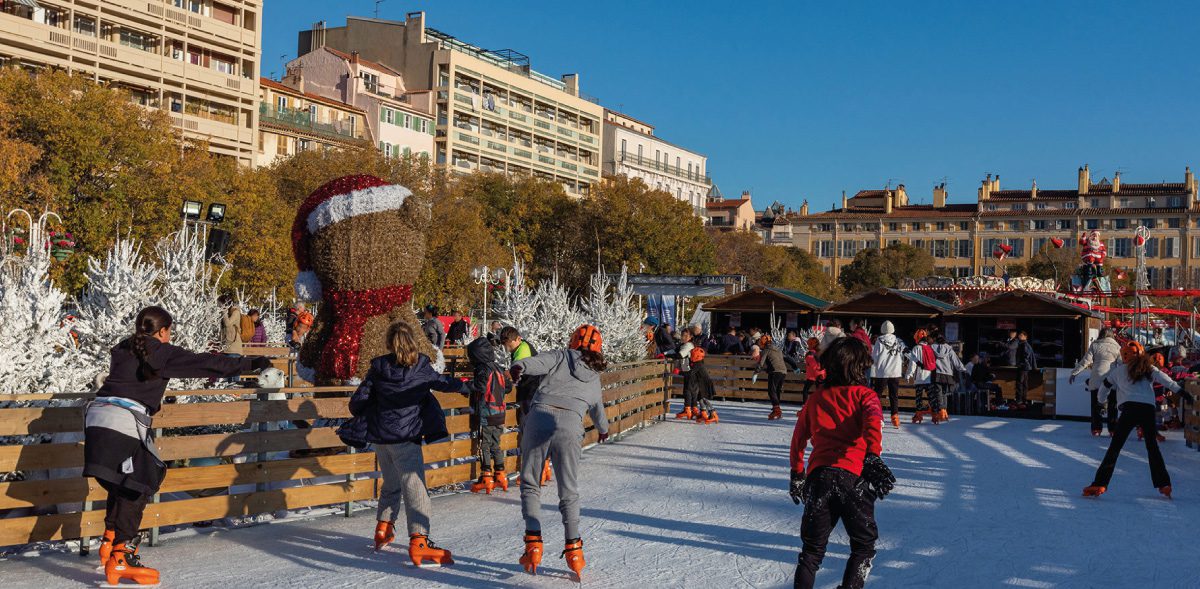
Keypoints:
pixel 302 121
pixel 649 164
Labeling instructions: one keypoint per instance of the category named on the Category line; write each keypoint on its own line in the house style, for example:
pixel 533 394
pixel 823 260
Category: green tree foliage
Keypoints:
pixel 887 267
pixel 743 252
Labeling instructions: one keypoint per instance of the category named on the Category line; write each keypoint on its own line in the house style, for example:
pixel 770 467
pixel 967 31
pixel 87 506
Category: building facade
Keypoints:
pixel 196 59
pixel 632 149
pixel 962 238
pixel 730 214
pixel 492 110
pixel 291 121
pixel 399 121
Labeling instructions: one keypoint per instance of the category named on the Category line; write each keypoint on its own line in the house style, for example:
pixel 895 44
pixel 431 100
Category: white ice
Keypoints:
pixel 979 503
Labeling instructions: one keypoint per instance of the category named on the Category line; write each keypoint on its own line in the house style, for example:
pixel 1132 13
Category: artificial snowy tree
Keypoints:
pixel 118 287
pixel 516 305
pixel 189 292
pixel 610 307
pixel 555 317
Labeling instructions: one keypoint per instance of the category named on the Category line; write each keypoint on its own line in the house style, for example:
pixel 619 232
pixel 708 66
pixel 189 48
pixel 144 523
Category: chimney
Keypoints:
pixel 985 188
pixel 1189 181
pixel 317 40
pixel 939 196
pixel 354 59
pixel 572 83
pixel 845 203
pixel 804 208
pixel 1085 180
pixel 996 184
pixel 887 202
pixel 1033 191
pixel 901 196
pixel 1116 182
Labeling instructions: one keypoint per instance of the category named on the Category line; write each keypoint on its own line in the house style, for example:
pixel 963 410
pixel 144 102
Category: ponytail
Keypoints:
pixel 149 321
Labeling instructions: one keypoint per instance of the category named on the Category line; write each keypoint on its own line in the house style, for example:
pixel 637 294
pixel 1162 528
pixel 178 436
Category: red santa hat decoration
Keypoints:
pixel 336 201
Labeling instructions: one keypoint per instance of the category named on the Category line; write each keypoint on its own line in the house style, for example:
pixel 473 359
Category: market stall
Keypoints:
pixel 754 307
pixel 906 310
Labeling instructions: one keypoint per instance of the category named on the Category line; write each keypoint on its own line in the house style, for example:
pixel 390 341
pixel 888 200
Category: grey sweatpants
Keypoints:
pixel 549 432
pixel 403 468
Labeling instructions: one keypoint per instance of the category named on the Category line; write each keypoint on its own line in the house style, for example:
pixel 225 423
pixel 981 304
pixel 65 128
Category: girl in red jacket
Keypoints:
pixel 813 373
pixel 844 475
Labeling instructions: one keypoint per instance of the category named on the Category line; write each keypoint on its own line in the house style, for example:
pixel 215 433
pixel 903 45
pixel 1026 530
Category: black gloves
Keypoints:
pixel 515 372
pixel 260 363
pixel 877 476
pixel 797 489
pixel 602 437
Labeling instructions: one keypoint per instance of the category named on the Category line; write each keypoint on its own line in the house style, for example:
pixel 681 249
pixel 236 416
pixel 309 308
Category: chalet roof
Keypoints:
pixel 890 302
pixel 762 299
pixel 1021 303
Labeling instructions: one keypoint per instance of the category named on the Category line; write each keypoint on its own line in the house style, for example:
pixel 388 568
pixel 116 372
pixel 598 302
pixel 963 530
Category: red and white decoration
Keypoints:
pixel 336 201
pixel 1093 250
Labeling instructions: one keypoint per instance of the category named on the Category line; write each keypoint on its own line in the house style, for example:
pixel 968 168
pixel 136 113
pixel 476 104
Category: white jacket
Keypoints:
pixel 947 360
pixel 1128 391
pixel 1100 356
pixel 887 356
pixel 685 357
pixel 914 367
pixel 831 334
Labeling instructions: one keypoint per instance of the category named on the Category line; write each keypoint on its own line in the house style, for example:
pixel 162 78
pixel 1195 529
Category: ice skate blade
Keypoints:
pixel 106 585
pixel 427 565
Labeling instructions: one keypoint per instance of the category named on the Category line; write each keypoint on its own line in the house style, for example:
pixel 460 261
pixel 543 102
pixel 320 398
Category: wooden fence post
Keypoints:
pixel 154 530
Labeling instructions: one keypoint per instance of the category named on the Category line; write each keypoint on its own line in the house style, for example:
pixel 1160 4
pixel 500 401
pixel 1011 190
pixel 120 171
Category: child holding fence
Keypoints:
pixel 119 450
pixel 396 401
pixel 844 474
pixel 553 428
pixel 487 389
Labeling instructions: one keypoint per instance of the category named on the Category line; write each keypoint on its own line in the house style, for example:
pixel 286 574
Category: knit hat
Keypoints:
pixel 887 328
pixel 336 201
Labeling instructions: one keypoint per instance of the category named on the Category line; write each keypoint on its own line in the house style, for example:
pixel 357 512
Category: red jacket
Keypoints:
pixel 844 424
pixel 812 368
pixel 861 335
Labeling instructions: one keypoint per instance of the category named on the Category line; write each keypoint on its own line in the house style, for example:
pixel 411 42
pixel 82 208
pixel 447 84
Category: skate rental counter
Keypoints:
pixel 907 311
pixel 755 306
pixel 1059 333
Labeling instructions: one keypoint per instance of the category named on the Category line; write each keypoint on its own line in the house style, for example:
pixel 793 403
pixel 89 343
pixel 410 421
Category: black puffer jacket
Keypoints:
pixel 484 368
pixel 398 403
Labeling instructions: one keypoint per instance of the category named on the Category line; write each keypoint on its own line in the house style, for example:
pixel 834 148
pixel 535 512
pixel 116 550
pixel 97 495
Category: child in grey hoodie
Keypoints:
pixel 553 429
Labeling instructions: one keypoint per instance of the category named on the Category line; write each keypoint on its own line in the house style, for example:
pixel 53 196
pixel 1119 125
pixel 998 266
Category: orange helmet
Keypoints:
pixel 697 355
pixel 587 338
pixel 1131 350
pixel 920 334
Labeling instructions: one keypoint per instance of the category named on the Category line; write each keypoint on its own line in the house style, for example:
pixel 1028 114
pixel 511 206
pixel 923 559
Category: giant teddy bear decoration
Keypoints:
pixel 359 243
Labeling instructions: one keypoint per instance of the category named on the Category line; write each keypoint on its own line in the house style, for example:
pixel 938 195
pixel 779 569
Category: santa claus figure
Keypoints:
pixel 1091 249
pixel 359 244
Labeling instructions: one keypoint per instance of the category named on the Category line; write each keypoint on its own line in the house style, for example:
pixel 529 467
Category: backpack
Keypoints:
pixel 492 399
pixel 247 329
pixel 928 358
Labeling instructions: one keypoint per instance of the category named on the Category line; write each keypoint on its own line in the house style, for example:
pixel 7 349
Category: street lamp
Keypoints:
pixel 191 210
pixel 488 277
pixel 216 213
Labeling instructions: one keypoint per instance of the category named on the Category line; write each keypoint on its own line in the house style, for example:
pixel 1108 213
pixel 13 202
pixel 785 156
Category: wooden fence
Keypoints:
pixel 733 379
pixel 267 464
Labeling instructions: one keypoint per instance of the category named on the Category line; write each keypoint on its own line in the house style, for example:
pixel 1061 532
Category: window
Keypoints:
pixel 623 146
pixel 1175 201
pixel 1120 223
pixel 196 6
pixel 1168 250
pixel 312 113
pixel 138 40
pixel 848 227
pixel 941 248
pixel 281 103
pixel 1018 207
pixel 991 207
pixel 1122 247
pixel 85 25
pixel 1071 205
pixel 1092 224
pixel 639 153
pixel 893 226
pixel 1064 224
pixel 371 82
pixel 1038 244
pixel 1040 225
pixel 847 248
pixel 1124 203
pixel 1018 248
pixel 281 145
pixel 824 249
pixel 920 244
pixel 964 225
pixel 825 226
pixel 1095 203
pixel 224 65
pixel 1196 248
pixel 1041 206
pixel 303 145
pixel 916 226
pixel 989 225
pixel 941 225
pixel 1152 247
pixel 1148 223
pixel 1014 226
pixel 964 248
pixel 873 227
pixel 407 124
pixel 1174 223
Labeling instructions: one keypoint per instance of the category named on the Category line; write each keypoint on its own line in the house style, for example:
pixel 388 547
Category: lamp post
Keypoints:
pixel 488 277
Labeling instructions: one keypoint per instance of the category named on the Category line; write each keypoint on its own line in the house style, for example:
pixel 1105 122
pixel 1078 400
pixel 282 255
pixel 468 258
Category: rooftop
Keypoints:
pixel 726 204
pixel 371 64
pixel 275 85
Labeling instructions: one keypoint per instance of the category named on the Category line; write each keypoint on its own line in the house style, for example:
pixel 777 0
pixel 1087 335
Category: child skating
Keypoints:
pixel 703 389
pixel 396 400
pixel 844 474
pixel 922 363
pixel 553 427
pixel 1133 380
pixel 488 388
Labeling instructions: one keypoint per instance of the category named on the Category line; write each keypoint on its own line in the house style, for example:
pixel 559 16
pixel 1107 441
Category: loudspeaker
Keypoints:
pixel 217 245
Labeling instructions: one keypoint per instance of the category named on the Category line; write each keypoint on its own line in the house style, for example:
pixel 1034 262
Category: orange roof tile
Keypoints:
pixel 726 204
pixel 285 88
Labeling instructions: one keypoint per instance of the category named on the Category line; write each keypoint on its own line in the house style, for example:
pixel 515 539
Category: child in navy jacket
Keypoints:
pixel 488 388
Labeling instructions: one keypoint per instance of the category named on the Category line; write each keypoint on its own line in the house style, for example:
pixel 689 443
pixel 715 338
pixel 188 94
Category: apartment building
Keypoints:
pixel 197 59
pixel 774 224
pixel 729 214
pixel 632 149
pixel 291 121
pixel 493 112
pixel 400 122
pixel 963 237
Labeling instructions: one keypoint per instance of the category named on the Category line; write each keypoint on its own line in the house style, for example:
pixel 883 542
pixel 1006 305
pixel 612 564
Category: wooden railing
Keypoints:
pixel 260 467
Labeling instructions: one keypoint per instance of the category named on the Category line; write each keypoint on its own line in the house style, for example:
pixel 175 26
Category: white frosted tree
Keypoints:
pixel 118 287
pixel 189 291
pixel 37 351
pixel 516 305
pixel 611 308
pixel 556 316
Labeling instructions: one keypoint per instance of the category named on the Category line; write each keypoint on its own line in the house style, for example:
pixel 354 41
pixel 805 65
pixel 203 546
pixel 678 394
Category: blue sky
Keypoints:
pixel 797 100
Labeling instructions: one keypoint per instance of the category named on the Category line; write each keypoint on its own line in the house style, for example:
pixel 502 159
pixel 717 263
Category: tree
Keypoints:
pixel 611 307
pixel 1052 262
pixel 887 267
pixel 459 241
pixel 743 252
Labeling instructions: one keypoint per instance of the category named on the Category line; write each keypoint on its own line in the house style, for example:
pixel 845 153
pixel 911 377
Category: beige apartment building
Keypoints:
pixel 291 121
pixel 963 237
pixel 493 111
pixel 197 59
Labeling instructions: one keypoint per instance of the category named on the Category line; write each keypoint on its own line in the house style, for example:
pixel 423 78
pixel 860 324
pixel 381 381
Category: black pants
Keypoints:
pixel 808 385
pixel 775 386
pixel 1097 420
pixel 491 456
pixel 1022 384
pixel 931 394
pixel 893 389
pixel 689 390
pixel 123 511
pixel 834 497
pixel 1134 415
